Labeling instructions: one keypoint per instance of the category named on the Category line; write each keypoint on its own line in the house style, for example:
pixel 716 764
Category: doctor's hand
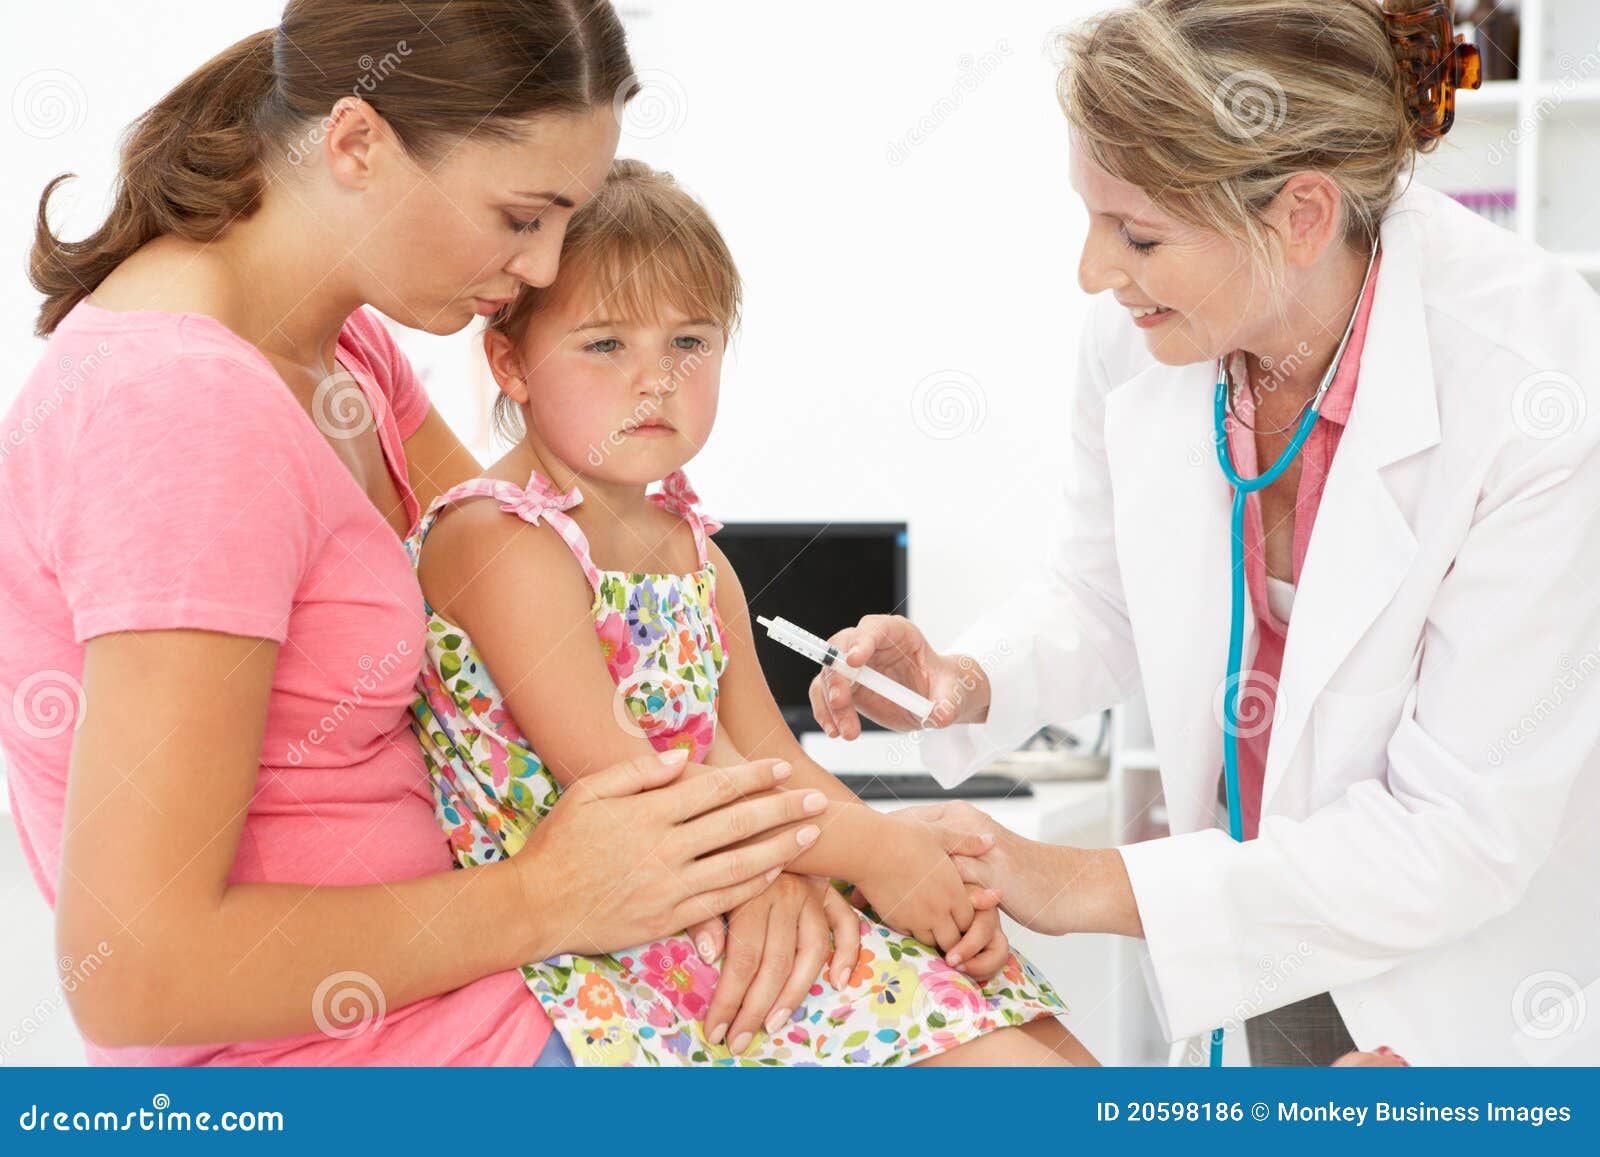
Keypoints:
pixel 896 647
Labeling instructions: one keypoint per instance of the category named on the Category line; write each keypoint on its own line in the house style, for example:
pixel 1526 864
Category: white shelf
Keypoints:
pixel 1549 148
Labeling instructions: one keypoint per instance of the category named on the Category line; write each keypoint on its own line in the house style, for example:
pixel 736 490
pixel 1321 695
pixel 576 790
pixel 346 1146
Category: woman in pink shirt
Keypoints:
pixel 206 481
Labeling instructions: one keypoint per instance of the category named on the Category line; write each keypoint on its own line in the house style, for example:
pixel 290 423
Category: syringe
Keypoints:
pixel 819 651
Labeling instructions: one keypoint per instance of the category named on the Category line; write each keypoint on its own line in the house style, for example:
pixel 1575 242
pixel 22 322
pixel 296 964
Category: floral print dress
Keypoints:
pixel 661 640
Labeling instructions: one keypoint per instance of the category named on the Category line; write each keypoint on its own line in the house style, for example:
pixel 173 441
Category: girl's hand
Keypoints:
pixel 984 949
pixel 777 946
pixel 894 646
pixel 628 855
pixel 914 885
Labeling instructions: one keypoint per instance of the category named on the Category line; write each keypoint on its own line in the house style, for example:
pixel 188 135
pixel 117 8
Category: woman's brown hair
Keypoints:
pixel 436 70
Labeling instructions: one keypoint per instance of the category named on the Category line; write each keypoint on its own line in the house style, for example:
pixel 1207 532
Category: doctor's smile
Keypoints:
pixel 603 770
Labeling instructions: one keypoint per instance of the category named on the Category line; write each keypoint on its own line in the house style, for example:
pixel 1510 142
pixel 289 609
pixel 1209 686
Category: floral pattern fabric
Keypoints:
pixel 661 640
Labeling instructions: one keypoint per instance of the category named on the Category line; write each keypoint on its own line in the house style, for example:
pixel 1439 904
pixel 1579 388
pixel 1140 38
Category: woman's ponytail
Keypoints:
pixel 437 71
pixel 190 165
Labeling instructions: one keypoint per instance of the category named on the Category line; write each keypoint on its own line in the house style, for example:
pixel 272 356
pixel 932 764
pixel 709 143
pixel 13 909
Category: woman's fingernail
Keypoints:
pixel 742 1043
pixel 706 948
pixel 781 771
pixel 814 802
pixel 777 1020
pixel 832 734
pixel 717 1034
pixel 773 874
pixel 953 960
pixel 676 755
pixel 808 835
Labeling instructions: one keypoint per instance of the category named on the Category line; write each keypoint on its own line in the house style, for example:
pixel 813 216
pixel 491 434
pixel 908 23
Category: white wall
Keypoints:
pixel 891 177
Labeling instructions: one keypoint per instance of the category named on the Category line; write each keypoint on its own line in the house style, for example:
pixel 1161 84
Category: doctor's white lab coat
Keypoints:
pixel 1430 840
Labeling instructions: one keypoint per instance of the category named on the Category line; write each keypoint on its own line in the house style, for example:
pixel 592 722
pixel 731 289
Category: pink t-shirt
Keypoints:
pixel 1260 685
pixel 156 473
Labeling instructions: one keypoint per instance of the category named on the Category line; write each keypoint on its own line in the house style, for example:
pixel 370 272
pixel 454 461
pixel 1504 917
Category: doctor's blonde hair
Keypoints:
pixel 1209 106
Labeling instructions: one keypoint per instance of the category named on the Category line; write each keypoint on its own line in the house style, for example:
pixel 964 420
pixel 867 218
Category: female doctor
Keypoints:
pixel 1416 784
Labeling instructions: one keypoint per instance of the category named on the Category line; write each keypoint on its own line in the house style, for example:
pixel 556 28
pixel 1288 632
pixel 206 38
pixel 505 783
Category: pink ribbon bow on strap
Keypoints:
pixel 537 500
pixel 677 496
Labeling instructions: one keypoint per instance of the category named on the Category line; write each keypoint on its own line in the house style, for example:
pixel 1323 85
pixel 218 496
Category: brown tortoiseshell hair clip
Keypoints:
pixel 1434 62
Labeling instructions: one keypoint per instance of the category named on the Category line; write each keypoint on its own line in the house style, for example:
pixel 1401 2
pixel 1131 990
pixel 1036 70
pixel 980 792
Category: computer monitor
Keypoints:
pixel 823 576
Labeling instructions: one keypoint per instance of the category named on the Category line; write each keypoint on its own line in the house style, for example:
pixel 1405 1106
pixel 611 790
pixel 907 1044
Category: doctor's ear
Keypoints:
pixel 505 363
pixel 1308 216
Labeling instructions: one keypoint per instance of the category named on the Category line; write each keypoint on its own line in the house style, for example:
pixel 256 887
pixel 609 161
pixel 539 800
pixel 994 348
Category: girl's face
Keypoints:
pixel 624 401
pixel 459 237
pixel 1190 291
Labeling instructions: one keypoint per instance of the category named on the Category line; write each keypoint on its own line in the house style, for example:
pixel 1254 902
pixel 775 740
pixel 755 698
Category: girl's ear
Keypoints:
pixel 505 363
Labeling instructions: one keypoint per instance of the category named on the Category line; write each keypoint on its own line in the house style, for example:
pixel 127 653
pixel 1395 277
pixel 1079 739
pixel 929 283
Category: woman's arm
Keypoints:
pixel 436 460
pixel 159 785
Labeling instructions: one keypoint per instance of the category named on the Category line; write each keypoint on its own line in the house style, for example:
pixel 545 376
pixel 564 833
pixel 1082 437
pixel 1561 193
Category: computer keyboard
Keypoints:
pixel 900 786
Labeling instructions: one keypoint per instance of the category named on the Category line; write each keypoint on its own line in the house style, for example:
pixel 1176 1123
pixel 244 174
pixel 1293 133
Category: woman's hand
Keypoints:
pixel 777 946
pixel 1045 887
pixel 627 855
pixel 894 646
pixel 1383 1058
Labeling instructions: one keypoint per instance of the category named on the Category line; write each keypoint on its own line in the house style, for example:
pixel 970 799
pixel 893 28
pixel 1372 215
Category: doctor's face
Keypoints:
pixel 1189 290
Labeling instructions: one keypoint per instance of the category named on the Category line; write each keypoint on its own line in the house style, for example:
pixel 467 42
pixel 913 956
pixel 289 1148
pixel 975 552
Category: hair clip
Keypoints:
pixel 1434 62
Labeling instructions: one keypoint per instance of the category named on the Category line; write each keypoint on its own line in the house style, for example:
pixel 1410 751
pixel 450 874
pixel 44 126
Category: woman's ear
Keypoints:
pixel 354 134
pixel 1308 214
pixel 505 363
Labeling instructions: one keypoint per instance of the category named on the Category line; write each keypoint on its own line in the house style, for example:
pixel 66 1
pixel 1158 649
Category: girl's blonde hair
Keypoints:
pixel 641 245
pixel 1209 106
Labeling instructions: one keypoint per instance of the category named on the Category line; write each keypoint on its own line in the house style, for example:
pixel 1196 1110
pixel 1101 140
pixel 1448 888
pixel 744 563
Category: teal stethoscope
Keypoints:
pixel 1242 489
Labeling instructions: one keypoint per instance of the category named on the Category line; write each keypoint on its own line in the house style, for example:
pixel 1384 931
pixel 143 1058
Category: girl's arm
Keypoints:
pixel 908 877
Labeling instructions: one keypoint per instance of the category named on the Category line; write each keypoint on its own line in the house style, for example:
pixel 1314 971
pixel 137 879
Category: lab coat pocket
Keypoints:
pixel 1352 729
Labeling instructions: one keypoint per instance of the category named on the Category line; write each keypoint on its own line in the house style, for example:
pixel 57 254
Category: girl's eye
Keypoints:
pixel 694 343
pixel 605 345
pixel 1139 246
pixel 523 226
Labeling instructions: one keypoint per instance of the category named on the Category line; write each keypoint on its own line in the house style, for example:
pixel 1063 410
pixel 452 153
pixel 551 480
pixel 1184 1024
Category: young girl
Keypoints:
pixel 599 621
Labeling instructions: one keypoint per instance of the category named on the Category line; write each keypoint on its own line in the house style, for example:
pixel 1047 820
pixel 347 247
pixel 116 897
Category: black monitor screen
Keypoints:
pixel 820 576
